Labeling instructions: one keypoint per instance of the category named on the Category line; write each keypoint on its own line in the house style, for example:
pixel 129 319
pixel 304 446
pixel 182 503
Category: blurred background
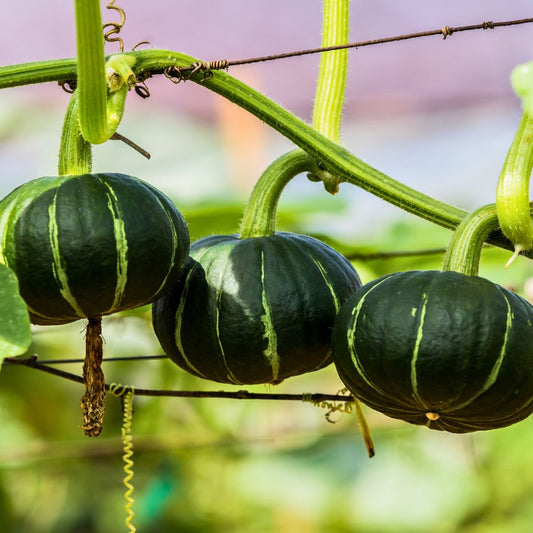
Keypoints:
pixel 438 115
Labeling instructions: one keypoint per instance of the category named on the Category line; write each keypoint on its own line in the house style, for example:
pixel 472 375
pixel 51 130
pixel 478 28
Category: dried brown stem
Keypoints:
pixel 93 401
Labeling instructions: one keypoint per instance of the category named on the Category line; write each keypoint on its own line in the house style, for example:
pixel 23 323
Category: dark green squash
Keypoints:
pixel 254 310
pixel 90 245
pixel 442 349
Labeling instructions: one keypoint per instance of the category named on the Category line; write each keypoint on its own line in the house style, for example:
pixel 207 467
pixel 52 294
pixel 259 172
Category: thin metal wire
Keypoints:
pixel 446 31
pixel 177 74
pixel 32 362
pixel 106 360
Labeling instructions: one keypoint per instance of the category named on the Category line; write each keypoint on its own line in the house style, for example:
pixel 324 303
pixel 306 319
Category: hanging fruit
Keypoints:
pixel 449 350
pixel 254 310
pixel 90 245
pixel 259 307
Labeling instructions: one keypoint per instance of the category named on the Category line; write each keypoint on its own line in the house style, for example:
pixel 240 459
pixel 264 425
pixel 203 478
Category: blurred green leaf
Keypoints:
pixel 15 333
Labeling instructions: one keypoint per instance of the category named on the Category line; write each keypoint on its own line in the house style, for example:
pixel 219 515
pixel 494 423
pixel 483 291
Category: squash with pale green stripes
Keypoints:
pixel 442 349
pixel 90 245
pixel 254 310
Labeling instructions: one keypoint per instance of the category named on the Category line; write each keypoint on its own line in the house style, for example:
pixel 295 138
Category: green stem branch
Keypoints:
pixel 336 159
pixel 464 251
pixel 512 193
pixel 75 153
pixel 260 214
pixel 332 73
pixel 102 86
pixel 92 85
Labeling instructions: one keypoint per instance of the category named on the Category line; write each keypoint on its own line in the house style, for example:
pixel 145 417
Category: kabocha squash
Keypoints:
pixel 442 349
pixel 254 310
pixel 90 245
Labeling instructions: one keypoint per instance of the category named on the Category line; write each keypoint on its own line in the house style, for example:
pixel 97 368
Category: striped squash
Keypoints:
pixel 254 310
pixel 441 349
pixel 90 245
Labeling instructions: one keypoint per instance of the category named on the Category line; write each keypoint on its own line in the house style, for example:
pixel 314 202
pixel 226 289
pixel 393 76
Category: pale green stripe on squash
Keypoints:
pixel 175 245
pixel 330 287
pixel 493 376
pixel 336 301
pixel 58 266
pixel 121 244
pixel 350 337
pixel 416 349
pixel 223 275
pixel 179 320
pixel 5 224
pixel 229 374
pixel 269 334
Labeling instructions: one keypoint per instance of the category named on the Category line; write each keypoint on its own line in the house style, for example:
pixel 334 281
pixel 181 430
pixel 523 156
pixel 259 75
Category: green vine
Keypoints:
pixel 331 82
pixel 102 86
pixel 260 214
pixel 464 252
pixel 335 158
pixel 512 193
pixel 75 153
pixel 333 69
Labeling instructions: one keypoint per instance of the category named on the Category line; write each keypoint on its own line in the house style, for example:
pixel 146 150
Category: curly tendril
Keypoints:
pixel 125 393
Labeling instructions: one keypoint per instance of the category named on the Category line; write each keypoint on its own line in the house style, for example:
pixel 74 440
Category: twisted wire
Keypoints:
pixel 176 74
pixel 125 393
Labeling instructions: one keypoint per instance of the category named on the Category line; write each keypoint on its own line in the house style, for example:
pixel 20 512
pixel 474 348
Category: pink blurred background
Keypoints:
pixel 437 114
pixel 396 77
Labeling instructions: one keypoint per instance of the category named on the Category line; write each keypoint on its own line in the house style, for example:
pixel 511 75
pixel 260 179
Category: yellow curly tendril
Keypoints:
pixel 125 393
pixel 332 407
pixel 345 407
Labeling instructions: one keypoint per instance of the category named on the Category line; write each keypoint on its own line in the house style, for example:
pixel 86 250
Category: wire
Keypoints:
pixel 184 73
pixel 32 362
pixel 106 360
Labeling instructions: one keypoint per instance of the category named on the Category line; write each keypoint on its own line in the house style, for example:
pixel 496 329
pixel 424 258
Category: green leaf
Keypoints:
pixel 15 332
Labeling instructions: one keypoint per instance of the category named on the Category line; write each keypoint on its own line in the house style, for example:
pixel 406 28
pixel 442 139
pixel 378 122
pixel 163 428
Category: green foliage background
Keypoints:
pixel 249 466
pixel 229 466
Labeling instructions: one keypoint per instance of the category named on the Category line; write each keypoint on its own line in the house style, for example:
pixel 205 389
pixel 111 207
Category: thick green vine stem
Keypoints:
pixel 260 214
pixel 331 83
pixel 464 252
pixel 336 159
pixel 75 153
pixel 102 86
pixel 512 193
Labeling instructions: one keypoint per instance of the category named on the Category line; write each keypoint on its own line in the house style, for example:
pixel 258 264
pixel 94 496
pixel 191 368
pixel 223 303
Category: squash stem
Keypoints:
pixel 93 401
pixel 464 252
pixel 260 214
pixel 512 193
pixel 75 153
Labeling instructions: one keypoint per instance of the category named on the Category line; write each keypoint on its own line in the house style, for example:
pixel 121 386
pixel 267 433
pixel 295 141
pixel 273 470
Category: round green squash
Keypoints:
pixel 254 310
pixel 90 245
pixel 441 349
